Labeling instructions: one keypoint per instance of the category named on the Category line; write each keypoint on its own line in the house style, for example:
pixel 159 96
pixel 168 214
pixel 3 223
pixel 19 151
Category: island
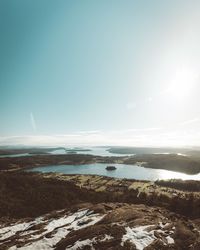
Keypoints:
pixel 28 150
pixel 111 168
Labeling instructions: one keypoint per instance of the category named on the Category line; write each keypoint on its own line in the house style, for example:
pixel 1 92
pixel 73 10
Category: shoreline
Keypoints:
pixel 171 162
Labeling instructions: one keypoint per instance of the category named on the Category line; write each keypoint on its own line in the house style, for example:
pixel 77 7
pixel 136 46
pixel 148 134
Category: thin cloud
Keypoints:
pixel 33 123
pixel 135 130
pixel 86 132
pixel 143 129
pixel 190 121
pixel 166 138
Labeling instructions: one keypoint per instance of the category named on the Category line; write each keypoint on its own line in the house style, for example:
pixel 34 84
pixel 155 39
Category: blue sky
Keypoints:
pixel 100 72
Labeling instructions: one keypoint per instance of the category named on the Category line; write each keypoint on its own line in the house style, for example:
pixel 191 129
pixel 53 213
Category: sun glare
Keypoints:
pixel 166 175
pixel 183 83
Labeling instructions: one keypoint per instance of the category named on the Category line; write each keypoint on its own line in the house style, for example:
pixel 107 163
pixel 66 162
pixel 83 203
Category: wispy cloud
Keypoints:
pixel 134 130
pixel 190 121
pixel 33 123
pixel 88 132
pixel 74 139
pixel 145 137
pixel 143 129
pixel 149 136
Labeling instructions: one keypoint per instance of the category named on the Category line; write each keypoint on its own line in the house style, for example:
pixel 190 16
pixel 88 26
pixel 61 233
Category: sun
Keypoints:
pixel 183 83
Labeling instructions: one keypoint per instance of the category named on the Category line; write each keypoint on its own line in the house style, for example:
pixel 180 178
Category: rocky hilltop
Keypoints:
pixel 102 226
pixel 57 211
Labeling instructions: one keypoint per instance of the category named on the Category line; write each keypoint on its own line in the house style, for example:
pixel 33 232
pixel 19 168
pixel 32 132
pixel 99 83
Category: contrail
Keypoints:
pixel 33 123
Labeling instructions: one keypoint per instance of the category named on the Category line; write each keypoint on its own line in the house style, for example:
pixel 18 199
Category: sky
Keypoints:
pixel 114 72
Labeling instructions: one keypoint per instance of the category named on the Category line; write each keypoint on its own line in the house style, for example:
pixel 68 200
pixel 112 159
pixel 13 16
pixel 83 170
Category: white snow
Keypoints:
pixel 139 236
pixel 7 232
pixel 170 240
pixel 58 228
pixel 88 242
pixel 142 237
pixel 79 244
pixel 107 237
pixel 161 224
pixel 11 230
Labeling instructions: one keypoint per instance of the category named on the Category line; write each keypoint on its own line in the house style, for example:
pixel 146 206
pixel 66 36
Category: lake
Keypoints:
pixel 122 171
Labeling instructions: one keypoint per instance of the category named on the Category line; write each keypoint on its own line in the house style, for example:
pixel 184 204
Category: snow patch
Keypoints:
pixel 89 242
pixel 107 237
pixel 170 240
pixel 139 236
pixel 79 244
pixel 142 236
pixel 55 228
pixel 7 232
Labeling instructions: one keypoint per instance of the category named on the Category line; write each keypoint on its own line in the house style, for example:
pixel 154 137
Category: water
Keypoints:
pixel 101 151
pixel 122 171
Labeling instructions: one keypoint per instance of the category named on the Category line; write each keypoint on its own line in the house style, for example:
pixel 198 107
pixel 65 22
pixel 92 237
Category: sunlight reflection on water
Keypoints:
pixel 122 171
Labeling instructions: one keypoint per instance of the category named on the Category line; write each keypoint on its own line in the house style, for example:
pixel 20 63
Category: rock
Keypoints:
pixel 183 236
pixel 156 245
pixel 129 245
